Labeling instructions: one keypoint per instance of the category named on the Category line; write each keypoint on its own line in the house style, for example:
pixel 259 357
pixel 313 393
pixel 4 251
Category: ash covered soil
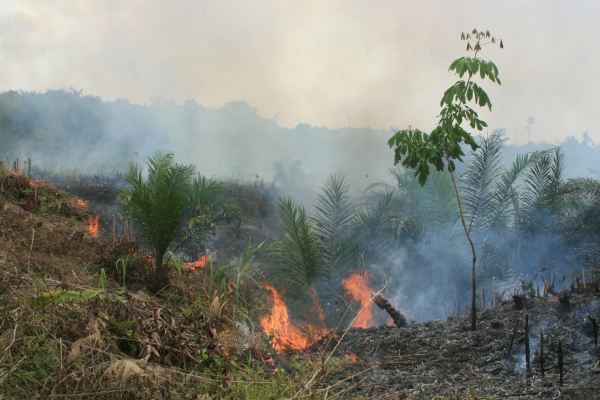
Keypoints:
pixel 438 358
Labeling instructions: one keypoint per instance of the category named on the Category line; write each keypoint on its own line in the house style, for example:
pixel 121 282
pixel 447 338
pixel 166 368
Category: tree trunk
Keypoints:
pixel 473 271
pixel 160 273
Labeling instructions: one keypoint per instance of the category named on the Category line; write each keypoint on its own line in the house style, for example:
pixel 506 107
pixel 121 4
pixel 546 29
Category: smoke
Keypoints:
pixel 328 64
pixel 428 278
pixel 73 130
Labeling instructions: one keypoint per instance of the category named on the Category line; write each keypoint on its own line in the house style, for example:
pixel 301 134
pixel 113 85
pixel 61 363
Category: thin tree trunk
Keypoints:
pixel 473 276
pixel 160 272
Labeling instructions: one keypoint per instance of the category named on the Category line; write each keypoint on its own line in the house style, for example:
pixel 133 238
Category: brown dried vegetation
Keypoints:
pixel 70 330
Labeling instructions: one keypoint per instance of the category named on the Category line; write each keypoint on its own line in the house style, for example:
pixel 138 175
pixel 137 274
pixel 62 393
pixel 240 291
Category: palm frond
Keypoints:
pixel 478 182
pixel 297 251
pixel 377 227
pixel 506 195
pixel 332 223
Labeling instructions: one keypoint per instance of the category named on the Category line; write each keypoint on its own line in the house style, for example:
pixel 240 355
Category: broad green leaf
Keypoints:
pixel 482 69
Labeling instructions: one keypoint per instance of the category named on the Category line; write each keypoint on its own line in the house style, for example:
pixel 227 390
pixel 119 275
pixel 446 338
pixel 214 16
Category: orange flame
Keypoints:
pixel 198 264
pixel 358 286
pixel 82 203
pixel 93 225
pixel 286 335
pixel 351 357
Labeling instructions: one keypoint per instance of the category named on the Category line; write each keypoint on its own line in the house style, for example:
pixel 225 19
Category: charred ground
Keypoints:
pixel 437 358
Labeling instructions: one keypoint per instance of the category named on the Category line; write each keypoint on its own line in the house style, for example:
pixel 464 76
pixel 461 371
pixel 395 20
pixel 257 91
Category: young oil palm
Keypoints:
pixel 297 252
pixel 332 226
pixel 158 206
pixel 209 205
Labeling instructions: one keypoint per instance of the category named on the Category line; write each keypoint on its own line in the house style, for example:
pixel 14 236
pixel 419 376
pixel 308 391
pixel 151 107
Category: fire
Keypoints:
pixel 93 225
pixel 286 334
pixel 351 357
pixel 198 264
pixel 82 203
pixel 359 287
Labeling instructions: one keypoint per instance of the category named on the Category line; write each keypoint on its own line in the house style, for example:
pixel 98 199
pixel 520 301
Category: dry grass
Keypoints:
pixel 62 336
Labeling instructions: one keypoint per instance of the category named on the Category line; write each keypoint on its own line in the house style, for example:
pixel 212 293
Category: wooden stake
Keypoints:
pixel 542 352
pixel 483 298
pixel 527 352
pixel 560 361
pixel 512 339
pixel 114 227
pixel 492 300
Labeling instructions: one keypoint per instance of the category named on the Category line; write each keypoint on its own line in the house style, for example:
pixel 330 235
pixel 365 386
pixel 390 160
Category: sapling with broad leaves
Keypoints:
pixel 419 150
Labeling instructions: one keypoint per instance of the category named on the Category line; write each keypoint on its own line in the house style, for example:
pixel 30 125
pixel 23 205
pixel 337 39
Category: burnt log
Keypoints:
pixel 383 303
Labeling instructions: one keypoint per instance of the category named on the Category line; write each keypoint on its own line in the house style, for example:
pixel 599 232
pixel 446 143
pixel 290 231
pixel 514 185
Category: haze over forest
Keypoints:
pixel 67 128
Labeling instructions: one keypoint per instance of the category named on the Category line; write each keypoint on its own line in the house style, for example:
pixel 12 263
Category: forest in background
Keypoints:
pixel 71 129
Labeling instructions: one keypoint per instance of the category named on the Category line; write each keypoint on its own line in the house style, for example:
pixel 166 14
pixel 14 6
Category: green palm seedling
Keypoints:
pixel 585 227
pixel 245 268
pixel 297 252
pixel 376 228
pixel 427 214
pixel 158 206
pixel 547 208
pixel 209 205
pixel 490 201
pixel 479 182
pixel 332 225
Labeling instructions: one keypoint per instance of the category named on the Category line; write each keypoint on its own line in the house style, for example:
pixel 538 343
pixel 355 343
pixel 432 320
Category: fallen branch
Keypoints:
pixel 383 303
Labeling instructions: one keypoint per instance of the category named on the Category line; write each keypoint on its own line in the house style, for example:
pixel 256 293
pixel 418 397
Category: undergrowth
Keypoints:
pixel 77 321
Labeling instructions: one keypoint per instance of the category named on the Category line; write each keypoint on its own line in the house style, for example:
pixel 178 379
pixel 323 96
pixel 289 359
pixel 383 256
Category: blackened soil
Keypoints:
pixel 438 358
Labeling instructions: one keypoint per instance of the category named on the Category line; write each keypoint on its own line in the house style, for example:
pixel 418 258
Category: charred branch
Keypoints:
pixel 383 303
pixel 564 298
pixel 595 328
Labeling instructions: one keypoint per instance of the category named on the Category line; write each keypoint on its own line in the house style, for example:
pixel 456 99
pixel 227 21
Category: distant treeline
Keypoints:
pixel 67 127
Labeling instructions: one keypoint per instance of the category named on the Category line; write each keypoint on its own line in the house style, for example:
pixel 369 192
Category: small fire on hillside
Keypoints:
pixel 198 264
pixel 359 286
pixel 286 334
pixel 82 203
pixel 93 225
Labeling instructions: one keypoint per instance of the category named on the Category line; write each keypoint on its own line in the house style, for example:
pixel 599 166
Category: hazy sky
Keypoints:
pixel 326 63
